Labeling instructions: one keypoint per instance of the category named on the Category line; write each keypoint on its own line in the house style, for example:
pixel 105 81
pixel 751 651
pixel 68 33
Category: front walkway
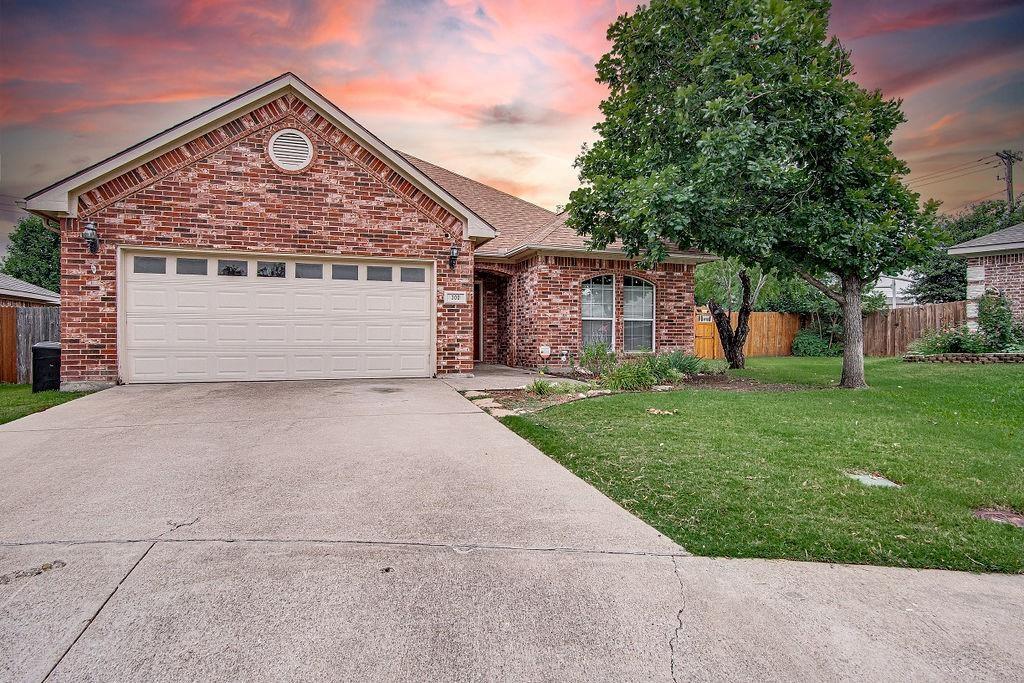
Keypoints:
pixel 487 377
pixel 390 530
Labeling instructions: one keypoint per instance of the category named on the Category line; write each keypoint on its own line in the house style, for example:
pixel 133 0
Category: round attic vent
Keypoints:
pixel 291 149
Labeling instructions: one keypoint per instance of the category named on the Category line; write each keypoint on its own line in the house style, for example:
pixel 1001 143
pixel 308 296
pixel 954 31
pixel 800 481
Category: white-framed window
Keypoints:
pixel 637 315
pixel 598 296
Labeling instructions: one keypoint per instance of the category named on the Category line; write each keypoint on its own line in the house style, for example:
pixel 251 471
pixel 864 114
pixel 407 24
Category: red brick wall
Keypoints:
pixel 543 302
pixel 1004 273
pixel 226 194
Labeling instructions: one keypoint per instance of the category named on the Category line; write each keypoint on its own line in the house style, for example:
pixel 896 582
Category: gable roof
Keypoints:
pixel 1007 239
pixel 515 219
pixel 19 289
pixel 521 225
pixel 60 199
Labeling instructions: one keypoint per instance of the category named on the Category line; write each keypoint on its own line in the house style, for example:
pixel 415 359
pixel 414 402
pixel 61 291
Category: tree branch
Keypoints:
pixel 821 286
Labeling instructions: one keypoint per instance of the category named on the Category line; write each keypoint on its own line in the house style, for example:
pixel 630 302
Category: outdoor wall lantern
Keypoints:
pixel 453 256
pixel 91 237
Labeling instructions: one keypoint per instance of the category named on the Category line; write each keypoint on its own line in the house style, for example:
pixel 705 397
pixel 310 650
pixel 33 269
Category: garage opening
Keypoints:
pixel 207 317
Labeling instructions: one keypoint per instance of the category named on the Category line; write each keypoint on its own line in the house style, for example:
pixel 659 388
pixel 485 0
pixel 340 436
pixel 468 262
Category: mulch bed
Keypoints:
pixel 523 401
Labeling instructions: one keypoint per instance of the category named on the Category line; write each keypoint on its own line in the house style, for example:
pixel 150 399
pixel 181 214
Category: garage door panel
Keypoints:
pixel 227 332
pixel 221 328
pixel 379 304
pixel 268 333
pixel 310 333
pixel 147 298
pixel 344 303
pixel 271 302
pixel 192 300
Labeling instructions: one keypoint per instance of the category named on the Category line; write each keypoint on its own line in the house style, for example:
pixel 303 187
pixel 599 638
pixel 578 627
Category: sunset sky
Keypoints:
pixel 499 90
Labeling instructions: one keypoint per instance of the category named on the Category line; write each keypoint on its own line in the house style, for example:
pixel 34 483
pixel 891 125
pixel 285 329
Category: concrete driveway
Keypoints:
pixel 390 530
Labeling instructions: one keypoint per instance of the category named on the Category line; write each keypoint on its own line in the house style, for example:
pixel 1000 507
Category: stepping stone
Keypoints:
pixel 598 392
pixel 473 393
pixel 1001 516
pixel 872 480
pixel 486 403
pixel 500 412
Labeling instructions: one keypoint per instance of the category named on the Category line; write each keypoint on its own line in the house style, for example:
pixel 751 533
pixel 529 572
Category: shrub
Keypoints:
pixel 630 376
pixel 809 343
pixel 541 387
pixel 658 365
pixel 953 340
pixel 684 363
pixel 995 319
pixel 597 359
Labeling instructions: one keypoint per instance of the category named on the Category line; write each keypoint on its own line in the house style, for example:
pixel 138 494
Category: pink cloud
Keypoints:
pixel 863 19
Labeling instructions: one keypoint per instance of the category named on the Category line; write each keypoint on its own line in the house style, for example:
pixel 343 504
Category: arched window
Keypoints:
pixel 599 311
pixel 638 315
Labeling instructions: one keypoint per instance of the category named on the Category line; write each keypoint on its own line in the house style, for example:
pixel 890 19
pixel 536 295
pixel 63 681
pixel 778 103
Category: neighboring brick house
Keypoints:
pixel 995 262
pixel 273 237
pixel 18 293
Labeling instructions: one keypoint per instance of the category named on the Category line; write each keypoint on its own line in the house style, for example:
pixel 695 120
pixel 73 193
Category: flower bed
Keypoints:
pixel 965 358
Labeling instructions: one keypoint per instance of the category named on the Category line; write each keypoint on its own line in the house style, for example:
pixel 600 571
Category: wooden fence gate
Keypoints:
pixel 771 334
pixel 889 333
pixel 20 328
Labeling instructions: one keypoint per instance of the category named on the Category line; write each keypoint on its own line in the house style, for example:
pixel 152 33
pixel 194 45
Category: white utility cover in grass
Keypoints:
pixel 184 325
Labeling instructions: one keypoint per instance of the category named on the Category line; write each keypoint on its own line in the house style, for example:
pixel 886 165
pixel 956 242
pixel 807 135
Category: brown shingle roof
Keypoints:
pixel 518 222
pixel 13 287
pixel 515 219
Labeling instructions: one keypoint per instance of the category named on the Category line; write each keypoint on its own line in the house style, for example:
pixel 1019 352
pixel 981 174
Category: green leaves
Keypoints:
pixel 34 254
pixel 732 126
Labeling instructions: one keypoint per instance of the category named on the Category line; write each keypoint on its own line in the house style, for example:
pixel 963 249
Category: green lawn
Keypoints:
pixel 761 474
pixel 17 400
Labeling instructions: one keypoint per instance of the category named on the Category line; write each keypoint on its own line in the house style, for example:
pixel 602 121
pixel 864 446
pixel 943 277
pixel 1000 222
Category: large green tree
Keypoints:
pixel 941 277
pixel 735 126
pixel 34 254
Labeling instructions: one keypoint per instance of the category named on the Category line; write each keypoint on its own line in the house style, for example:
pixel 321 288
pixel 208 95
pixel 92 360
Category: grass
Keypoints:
pixel 761 474
pixel 17 400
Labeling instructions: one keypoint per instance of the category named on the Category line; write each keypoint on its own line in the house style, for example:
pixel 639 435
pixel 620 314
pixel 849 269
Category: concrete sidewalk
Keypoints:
pixel 392 531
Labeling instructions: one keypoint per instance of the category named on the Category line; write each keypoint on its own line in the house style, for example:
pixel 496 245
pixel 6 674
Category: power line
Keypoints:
pixel 943 180
pixel 976 199
pixel 957 167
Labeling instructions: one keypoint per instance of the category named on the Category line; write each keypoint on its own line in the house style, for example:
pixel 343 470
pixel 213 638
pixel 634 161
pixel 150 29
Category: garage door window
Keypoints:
pixel 233 268
pixel 151 264
pixel 344 272
pixel 413 275
pixel 270 269
pixel 191 266
pixel 378 273
pixel 309 271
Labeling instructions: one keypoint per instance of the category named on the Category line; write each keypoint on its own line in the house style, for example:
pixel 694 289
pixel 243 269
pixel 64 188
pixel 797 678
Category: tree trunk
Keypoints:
pixel 853 335
pixel 733 340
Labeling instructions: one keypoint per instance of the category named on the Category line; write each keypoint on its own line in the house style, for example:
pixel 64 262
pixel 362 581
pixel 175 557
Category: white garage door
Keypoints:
pixel 225 317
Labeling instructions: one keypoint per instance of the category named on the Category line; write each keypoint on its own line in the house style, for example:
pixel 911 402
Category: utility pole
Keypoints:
pixel 1008 157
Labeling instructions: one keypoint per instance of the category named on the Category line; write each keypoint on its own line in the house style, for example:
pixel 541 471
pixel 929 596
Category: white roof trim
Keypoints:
pixel 986 249
pixel 616 254
pixel 61 199
pixel 29 296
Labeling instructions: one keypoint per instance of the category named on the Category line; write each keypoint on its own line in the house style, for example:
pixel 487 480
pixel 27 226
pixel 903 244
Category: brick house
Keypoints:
pixel 995 262
pixel 273 237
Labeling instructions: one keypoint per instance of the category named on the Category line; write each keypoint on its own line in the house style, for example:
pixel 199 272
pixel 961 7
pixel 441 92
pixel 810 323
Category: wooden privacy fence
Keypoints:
pixel 771 334
pixel 20 328
pixel 889 333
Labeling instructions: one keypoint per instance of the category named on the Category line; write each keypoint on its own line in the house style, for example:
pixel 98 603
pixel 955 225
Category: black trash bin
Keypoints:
pixel 45 366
